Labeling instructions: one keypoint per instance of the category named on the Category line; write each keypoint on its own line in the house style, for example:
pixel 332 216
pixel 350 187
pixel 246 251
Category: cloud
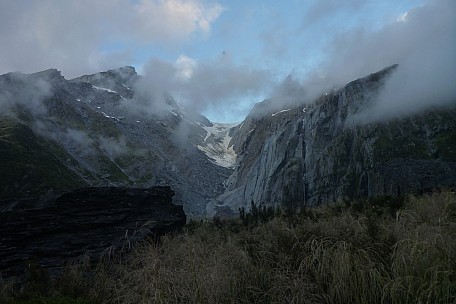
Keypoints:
pixel 175 19
pixel 423 43
pixel 85 36
pixel 289 92
pixel 322 10
pixel 24 91
pixel 185 67
pixel 203 85
pixel 113 147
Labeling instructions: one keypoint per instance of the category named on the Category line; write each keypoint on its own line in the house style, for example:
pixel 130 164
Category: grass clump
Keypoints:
pixel 383 251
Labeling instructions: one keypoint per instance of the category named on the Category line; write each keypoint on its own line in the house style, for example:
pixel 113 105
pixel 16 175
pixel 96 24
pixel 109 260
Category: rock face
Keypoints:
pixel 318 153
pixel 105 129
pixel 86 221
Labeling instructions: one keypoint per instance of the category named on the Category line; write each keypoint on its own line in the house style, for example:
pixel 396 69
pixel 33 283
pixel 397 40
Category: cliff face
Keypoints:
pixel 319 153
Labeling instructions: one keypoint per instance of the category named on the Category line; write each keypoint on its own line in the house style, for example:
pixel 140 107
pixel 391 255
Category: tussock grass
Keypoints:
pixel 369 253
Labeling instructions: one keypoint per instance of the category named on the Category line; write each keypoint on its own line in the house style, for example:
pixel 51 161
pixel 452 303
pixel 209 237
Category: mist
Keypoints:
pixel 200 86
pixel 113 147
pixel 422 42
pixel 28 93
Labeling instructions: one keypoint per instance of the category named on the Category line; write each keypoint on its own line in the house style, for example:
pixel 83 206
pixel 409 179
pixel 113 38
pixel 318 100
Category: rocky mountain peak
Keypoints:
pixel 120 80
pixel 315 153
pixel 49 75
pixel 126 70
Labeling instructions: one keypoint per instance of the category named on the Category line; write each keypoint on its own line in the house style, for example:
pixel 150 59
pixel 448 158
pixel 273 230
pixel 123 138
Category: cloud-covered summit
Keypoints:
pixel 422 42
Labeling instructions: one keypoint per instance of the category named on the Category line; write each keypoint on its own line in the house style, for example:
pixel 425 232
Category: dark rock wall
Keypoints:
pixel 88 221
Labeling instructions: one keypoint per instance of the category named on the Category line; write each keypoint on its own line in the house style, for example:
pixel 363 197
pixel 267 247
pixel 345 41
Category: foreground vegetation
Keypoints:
pixel 377 251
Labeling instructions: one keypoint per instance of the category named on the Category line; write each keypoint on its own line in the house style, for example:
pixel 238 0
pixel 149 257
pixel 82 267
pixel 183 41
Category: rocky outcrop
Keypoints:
pixel 92 221
pixel 120 81
pixel 318 153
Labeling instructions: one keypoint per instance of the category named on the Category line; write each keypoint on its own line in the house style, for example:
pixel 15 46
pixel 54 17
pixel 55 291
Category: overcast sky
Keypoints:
pixel 221 57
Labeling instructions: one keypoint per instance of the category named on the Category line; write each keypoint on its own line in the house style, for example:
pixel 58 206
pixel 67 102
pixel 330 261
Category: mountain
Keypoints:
pixel 112 129
pixel 101 130
pixel 310 154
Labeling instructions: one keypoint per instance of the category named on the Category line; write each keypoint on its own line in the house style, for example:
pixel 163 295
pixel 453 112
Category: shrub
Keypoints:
pixel 348 254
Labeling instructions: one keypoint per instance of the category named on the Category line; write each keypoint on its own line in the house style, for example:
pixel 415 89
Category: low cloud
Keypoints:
pixel 78 141
pixel 23 91
pixel 113 147
pixel 289 92
pixel 426 75
pixel 423 43
pixel 202 85
pixel 323 10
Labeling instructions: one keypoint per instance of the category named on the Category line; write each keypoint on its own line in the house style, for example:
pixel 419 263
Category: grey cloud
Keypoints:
pixel 78 139
pixel 423 44
pixel 113 147
pixel 425 47
pixel 289 92
pixel 72 35
pixel 217 83
pixel 43 34
pixel 24 91
pixel 322 10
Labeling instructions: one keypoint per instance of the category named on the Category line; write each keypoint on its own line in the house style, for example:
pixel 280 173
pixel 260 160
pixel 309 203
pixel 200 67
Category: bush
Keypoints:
pixel 348 254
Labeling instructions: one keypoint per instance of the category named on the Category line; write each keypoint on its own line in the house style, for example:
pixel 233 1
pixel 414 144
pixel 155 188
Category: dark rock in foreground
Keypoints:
pixel 86 221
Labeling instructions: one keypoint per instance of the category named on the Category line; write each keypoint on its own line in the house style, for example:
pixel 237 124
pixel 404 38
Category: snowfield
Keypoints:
pixel 216 145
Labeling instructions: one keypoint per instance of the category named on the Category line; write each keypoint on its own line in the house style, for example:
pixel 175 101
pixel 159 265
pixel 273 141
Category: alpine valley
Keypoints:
pixel 57 135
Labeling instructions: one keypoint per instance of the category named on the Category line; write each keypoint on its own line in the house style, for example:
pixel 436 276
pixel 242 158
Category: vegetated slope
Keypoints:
pixel 319 152
pixel 30 164
pixel 376 251
pixel 112 135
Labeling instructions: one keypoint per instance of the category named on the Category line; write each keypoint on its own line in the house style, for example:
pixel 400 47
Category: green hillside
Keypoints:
pixel 31 165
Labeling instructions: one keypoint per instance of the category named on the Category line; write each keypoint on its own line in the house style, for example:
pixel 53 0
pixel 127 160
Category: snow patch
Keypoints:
pixel 110 117
pixel 104 89
pixel 280 112
pixel 126 87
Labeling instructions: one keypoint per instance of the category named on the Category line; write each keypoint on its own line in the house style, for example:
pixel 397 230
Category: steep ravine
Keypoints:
pixel 318 153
